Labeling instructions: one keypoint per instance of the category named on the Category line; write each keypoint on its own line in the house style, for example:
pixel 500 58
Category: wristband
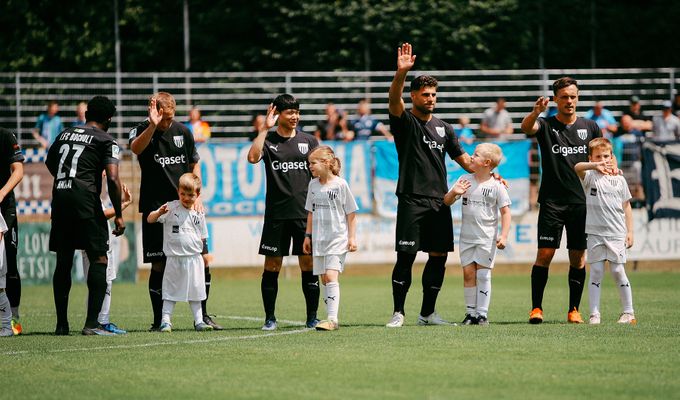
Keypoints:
pixel 308 235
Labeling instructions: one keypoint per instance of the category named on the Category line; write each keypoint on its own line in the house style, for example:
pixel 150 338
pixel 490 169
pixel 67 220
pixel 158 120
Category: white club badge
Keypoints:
pixel 303 147
pixel 440 131
pixel 178 140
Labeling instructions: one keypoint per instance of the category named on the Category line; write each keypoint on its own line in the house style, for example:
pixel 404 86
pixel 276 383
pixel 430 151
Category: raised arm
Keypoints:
pixel 125 201
pixel 154 215
pixel 141 141
pixel 459 188
pixel 604 167
pixel 255 152
pixel 405 61
pixel 529 124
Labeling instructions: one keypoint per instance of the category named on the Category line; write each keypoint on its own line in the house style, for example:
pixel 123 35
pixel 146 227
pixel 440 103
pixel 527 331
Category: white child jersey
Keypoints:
pixel 605 195
pixel 3 255
pixel 183 230
pixel 480 205
pixel 329 205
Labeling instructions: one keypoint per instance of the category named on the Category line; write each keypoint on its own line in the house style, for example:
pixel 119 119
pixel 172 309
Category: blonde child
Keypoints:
pixel 483 198
pixel 609 225
pixel 5 311
pixel 184 235
pixel 331 227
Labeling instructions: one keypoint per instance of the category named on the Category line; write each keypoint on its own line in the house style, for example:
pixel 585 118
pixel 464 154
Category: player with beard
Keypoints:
pixel 563 140
pixel 165 150
pixel 423 220
pixel 284 153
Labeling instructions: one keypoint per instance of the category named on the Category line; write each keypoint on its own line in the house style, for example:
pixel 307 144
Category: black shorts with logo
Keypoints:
pixel 91 235
pixel 277 235
pixel 552 217
pixel 152 241
pixel 423 223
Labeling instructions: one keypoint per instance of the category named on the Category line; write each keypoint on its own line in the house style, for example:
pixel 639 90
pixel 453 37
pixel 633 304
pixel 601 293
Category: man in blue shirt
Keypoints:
pixel 48 125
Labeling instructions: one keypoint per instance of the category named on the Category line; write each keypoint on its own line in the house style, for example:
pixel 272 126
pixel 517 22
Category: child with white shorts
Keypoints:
pixel 5 311
pixel 331 227
pixel 483 198
pixel 184 239
pixel 609 225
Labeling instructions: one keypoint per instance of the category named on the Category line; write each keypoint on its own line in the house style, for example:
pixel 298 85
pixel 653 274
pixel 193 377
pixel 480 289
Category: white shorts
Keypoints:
pixel 184 278
pixel 601 248
pixel 113 259
pixel 333 261
pixel 482 254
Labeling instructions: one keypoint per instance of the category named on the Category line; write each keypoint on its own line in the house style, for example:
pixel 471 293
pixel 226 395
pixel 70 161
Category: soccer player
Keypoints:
pixel 423 220
pixel 563 141
pixel 184 237
pixel 165 150
pixel 609 225
pixel 284 153
pixel 483 198
pixel 11 173
pixel 331 227
pixel 76 160
pixel 5 311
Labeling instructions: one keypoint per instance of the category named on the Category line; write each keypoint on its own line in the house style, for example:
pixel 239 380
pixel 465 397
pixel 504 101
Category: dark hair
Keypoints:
pixel 100 109
pixel 562 83
pixel 285 102
pixel 423 81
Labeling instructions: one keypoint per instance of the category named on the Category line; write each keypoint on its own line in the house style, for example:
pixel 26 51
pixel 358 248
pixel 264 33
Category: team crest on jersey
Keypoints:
pixel 196 219
pixel 78 130
pixel 440 131
pixel 486 192
pixel 115 151
pixel 303 147
pixel 178 140
pixel 582 133
pixel 593 191
pixel 332 194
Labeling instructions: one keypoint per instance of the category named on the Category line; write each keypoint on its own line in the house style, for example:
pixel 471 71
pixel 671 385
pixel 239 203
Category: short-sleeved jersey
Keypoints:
pixel 605 195
pixel 76 160
pixel 329 205
pixel 10 152
pixel 562 147
pixel 183 230
pixel 169 154
pixel 480 205
pixel 420 149
pixel 288 175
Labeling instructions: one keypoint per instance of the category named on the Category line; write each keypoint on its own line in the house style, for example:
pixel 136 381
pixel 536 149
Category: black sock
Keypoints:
pixel 539 278
pixel 61 285
pixel 433 278
pixel 96 290
pixel 401 279
pixel 577 278
pixel 156 295
pixel 310 288
pixel 204 303
pixel 269 288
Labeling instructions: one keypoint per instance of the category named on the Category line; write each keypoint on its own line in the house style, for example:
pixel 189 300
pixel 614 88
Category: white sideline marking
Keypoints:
pixel 176 342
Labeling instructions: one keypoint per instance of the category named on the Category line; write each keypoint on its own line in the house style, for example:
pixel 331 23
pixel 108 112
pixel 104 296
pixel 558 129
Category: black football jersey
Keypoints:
pixel 288 175
pixel 76 160
pixel 168 156
pixel 420 149
pixel 10 152
pixel 562 147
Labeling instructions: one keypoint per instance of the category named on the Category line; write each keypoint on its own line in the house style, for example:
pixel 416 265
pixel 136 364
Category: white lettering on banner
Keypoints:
pixel 566 150
pixel 208 174
pixel 249 187
pixel 244 207
pixel 226 156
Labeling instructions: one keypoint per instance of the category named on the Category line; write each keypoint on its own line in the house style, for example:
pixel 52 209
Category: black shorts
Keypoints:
pixel 277 235
pixel 91 235
pixel 152 241
pixel 553 217
pixel 10 238
pixel 423 223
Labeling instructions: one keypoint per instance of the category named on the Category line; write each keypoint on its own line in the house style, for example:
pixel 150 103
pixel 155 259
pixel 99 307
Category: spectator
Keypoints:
pixel 496 122
pixel 604 119
pixel 463 131
pixel 257 122
pixel 666 125
pixel 365 125
pixel 634 121
pixel 80 114
pixel 199 128
pixel 334 127
pixel 48 125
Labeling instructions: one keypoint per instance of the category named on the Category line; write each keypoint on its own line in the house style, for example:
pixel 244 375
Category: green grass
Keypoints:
pixel 508 359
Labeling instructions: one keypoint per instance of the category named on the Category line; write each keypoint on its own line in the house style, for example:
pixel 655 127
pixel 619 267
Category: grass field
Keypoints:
pixel 362 360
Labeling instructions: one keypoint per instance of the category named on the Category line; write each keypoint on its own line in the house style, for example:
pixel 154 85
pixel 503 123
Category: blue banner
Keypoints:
pixel 661 178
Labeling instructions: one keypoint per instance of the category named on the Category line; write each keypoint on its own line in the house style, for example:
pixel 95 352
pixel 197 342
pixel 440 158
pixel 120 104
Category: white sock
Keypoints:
pixel 197 311
pixel 168 308
pixel 594 290
pixel 625 293
pixel 470 294
pixel 332 299
pixel 106 306
pixel 5 311
pixel 483 291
